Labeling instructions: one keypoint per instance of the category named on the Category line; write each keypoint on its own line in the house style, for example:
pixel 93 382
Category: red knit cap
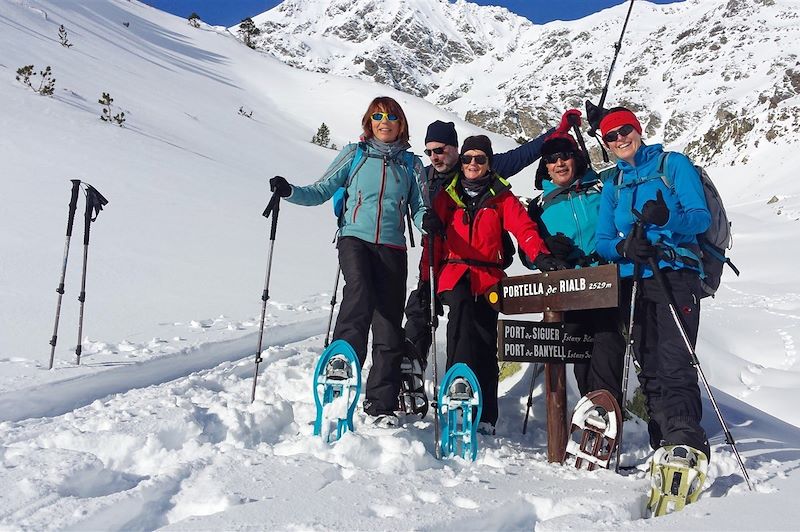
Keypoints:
pixel 619 116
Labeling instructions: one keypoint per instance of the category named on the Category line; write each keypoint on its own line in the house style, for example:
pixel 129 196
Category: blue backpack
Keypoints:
pixel 340 196
pixel 715 241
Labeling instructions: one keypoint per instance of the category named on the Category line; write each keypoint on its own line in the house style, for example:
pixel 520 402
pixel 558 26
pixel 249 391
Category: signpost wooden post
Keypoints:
pixel 552 341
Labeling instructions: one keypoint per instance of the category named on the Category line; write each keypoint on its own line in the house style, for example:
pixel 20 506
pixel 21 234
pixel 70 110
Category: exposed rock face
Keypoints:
pixel 715 77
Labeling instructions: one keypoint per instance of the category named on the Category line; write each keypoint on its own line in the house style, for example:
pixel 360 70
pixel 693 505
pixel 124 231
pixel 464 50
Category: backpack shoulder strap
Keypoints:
pixel 663 172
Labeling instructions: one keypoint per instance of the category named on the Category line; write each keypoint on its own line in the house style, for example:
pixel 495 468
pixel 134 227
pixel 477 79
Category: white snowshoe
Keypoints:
pixel 677 475
pixel 597 419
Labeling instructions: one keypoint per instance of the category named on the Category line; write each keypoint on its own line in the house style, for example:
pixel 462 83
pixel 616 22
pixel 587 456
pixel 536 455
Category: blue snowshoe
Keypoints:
pixel 459 409
pixel 337 385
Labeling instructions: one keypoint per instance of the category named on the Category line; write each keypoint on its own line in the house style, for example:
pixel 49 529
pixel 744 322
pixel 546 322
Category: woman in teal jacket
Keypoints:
pixel 672 206
pixel 380 176
pixel 567 213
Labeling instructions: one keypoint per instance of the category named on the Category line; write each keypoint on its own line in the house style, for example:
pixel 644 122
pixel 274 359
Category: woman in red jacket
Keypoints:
pixel 472 213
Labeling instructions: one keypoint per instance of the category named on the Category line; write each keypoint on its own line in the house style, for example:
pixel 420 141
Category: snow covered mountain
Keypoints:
pixel 155 428
pixel 718 76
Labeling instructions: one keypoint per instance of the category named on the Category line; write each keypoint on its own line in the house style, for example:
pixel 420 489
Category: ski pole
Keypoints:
pixel 73 206
pixel 581 143
pixel 659 277
pixel 617 48
pixel 434 324
pixel 410 227
pixel 94 204
pixel 537 370
pixel 273 207
pixel 333 302
pixel 696 363
pixel 638 231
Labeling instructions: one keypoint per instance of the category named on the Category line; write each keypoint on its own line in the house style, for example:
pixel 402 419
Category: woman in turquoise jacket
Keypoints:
pixel 672 206
pixel 567 213
pixel 380 177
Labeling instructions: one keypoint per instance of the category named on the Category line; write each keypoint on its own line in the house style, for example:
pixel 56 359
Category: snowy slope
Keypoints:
pixel 155 428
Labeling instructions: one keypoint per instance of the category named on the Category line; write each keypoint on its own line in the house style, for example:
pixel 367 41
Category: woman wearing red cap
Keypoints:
pixel 672 207
pixel 472 212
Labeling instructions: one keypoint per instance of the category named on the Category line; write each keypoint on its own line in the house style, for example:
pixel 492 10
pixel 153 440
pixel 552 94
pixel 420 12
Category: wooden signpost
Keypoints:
pixel 552 341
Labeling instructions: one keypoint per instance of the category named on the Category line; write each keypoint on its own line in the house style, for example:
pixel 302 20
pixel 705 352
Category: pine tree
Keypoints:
pixel 194 20
pixel 62 37
pixel 322 137
pixel 248 31
pixel 46 86
pixel 106 100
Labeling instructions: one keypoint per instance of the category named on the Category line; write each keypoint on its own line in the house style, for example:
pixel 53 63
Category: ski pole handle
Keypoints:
pixel 273 208
pixel 73 205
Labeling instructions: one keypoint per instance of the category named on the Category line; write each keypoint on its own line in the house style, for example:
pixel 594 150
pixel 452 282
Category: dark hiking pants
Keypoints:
pixel 472 339
pixel 373 294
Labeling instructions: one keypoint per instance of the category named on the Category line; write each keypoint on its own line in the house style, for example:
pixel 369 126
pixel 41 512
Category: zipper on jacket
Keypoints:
pixel 400 213
pixel 358 206
pixel 575 215
pixel 380 202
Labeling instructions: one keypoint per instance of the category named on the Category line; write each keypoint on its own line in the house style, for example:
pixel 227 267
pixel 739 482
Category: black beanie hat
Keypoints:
pixel 478 142
pixel 444 132
pixel 555 145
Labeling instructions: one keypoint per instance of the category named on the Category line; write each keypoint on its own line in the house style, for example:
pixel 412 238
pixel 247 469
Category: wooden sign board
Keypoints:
pixel 557 291
pixel 536 341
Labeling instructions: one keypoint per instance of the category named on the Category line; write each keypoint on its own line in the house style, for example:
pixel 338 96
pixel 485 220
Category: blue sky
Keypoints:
pixel 230 12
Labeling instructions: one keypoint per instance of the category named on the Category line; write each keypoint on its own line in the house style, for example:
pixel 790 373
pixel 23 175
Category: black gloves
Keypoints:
pixel 431 223
pixel 593 115
pixel 280 186
pixel 637 248
pixel 548 263
pixel 560 245
pixel 655 211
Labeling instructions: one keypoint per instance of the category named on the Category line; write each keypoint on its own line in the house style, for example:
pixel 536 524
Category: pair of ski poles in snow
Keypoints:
pixel 659 278
pixel 94 204
pixel 272 210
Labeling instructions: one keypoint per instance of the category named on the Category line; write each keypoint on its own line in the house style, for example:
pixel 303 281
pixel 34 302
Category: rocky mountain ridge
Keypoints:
pixel 716 77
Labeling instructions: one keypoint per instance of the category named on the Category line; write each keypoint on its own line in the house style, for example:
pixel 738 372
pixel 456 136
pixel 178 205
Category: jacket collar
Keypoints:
pixel 496 186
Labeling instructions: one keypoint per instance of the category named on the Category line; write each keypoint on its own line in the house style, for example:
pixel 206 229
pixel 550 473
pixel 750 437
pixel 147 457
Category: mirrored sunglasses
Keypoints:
pixel 554 157
pixel 388 116
pixel 479 159
pixel 437 151
pixel 624 131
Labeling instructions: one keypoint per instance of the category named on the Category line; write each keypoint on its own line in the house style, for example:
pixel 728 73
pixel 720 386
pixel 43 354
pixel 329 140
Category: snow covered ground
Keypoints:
pixel 155 428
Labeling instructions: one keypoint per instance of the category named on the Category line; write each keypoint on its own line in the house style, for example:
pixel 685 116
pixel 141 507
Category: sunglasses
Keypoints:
pixel 437 151
pixel 479 159
pixel 624 131
pixel 554 157
pixel 388 116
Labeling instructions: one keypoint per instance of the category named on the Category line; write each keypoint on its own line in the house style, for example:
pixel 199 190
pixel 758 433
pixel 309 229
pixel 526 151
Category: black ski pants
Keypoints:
pixel 472 339
pixel 667 377
pixel 373 295
pixel 604 370
pixel 418 315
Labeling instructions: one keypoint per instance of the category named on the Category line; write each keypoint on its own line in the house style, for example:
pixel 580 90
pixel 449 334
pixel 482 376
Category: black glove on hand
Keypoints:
pixel 431 223
pixel 560 245
pixel 280 186
pixel 636 248
pixel 548 263
pixel 655 211
pixel 593 115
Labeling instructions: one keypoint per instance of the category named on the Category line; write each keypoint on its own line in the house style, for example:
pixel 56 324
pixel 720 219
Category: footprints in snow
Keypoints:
pixel 750 376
